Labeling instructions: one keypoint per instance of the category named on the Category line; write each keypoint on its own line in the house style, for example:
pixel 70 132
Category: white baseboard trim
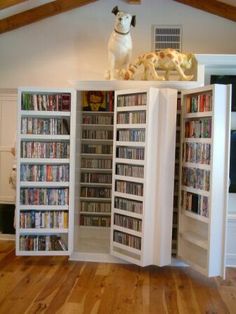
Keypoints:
pixel 231 260
pixel 230 247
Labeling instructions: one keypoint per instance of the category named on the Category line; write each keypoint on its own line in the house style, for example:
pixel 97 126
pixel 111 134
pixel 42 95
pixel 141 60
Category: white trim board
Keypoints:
pixel 231 247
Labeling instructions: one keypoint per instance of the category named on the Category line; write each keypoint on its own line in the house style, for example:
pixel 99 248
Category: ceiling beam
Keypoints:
pixel 39 13
pixel 134 1
pixel 9 3
pixel 213 6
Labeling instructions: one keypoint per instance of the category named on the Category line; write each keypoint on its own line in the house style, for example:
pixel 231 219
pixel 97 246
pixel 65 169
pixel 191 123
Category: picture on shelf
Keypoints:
pixel 97 101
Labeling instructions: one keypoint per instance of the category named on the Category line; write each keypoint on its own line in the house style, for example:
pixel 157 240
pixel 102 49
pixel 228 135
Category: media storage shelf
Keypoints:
pixel 45 196
pixel 96 141
pixel 137 128
pixel 204 167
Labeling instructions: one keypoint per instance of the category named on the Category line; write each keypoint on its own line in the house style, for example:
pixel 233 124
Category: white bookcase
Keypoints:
pixel 45 171
pixel 95 243
pixel 142 183
pixel 143 175
pixel 96 158
pixel 204 178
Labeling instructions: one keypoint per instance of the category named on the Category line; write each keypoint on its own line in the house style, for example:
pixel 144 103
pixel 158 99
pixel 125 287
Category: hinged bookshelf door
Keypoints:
pixel 45 171
pixel 144 145
pixel 204 178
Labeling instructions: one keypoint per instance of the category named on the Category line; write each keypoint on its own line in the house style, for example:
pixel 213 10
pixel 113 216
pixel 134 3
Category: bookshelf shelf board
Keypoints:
pixel 131 126
pixel 139 162
pixel 95 184
pixel 102 170
pixel 127 231
pixel 96 199
pixel 93 228
pixel 195 191
pixel 127 213
pixel 44 184
pixel 98 112
pixel 131 108
pixel 97 141
pixel 127 248
pixel 198 115
pixel 130 144
pixel 96 155
pixel 129 179
pixel 198 140
pixel 128 196
pixel 195 239
pixel 196 216
pixel 46 114
pixel 196 266
pixel 196 165
pixel 42 231
pixel 44 161
pixel 95 213
pixel 97 126
pixel 44 207
pixel 45 138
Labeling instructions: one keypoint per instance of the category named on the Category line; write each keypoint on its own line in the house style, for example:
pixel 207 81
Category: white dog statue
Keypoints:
pixel 120 43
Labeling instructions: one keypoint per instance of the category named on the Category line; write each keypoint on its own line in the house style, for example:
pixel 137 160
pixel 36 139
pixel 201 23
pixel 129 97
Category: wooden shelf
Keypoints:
pixel 195 239
pixel 196 216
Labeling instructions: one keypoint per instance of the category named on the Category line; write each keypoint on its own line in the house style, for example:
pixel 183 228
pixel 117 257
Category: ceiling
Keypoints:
pixel 223 8
pixel 18 13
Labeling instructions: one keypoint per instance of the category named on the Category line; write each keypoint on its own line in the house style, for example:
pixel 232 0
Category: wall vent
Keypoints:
pixel 167 37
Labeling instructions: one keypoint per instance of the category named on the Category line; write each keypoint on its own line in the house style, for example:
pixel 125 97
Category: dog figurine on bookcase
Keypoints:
pixel 120 43
pixel 147 65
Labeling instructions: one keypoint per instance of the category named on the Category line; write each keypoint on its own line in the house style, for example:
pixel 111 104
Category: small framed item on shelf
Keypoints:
pixel 45 172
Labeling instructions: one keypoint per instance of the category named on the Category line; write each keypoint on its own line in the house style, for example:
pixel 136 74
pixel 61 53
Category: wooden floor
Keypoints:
pixel 55 285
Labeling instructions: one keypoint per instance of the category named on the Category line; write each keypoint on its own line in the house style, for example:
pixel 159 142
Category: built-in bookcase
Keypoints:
pixel 143 175
pixel 45 172
pixel 96 158
pixel 204 183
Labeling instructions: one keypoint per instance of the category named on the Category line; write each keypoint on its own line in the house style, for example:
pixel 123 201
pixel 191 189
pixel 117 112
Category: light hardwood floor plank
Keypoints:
pixel 55 285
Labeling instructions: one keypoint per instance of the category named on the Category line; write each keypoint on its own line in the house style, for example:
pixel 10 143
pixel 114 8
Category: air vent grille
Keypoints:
pixel 167 37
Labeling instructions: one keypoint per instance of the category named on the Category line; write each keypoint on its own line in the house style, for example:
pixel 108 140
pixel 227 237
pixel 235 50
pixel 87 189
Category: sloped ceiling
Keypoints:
pixel 223 8
pixel 29 13
pixel 18 13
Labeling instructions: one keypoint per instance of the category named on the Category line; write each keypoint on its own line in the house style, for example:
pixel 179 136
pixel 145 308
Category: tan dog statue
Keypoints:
pixel 120 43
pixel 167 61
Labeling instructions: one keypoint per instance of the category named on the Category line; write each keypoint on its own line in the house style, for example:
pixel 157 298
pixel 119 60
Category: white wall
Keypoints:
pixel 72 46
